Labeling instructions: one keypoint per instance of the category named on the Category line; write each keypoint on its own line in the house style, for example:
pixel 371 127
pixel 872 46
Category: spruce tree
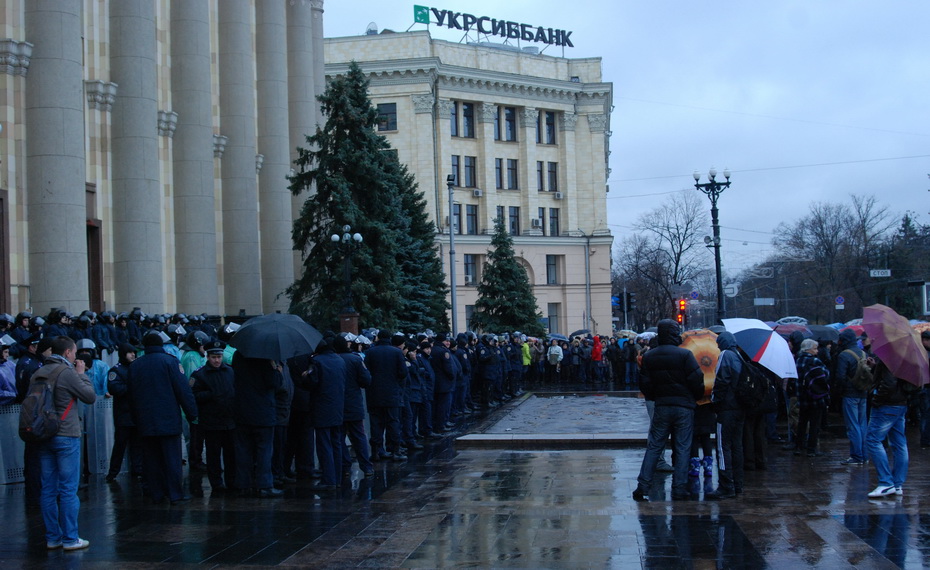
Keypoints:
pixel 505 298
pixel 359 183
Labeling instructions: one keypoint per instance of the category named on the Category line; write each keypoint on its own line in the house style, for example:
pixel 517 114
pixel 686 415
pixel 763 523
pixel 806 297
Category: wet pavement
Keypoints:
pixel 452 505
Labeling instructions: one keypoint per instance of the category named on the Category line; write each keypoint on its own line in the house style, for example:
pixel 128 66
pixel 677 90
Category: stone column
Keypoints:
pixel 192 155
pixel 137 204
pixel 241 253
pixel 55 161
pixel 303 108
pixel 273 142
pixel 319 72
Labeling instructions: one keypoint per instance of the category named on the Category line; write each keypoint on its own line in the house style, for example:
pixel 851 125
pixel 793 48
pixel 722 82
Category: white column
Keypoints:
pixel 192 155
pixel 55 160
pixel 241 253
pixel 273 142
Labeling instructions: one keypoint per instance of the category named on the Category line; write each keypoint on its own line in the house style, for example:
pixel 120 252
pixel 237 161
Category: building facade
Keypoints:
pixel 145 150
pixel 524 136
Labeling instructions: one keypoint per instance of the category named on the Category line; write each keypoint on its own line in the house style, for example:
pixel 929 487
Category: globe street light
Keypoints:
pixel 349 243
pixel 713 189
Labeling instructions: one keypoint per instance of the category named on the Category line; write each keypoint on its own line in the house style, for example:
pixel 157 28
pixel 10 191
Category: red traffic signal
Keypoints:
pixel 681 319
pixel 682 305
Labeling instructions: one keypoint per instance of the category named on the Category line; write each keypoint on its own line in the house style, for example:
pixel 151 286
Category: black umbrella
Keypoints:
pixel 581 332
pixel 823 333
pixel 276 336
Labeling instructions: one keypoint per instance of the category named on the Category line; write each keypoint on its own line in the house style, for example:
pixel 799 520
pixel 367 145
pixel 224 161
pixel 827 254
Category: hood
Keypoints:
pixel 848 338
pixel 726 341
pixel 796 338
pixel 668 332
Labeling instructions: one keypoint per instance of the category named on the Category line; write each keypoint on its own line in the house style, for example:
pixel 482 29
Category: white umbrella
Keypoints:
pixel 763 345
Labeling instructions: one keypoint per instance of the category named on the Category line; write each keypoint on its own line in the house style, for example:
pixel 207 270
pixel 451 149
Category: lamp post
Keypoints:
pixel 450 183
pixel 348 318
pixel 713 189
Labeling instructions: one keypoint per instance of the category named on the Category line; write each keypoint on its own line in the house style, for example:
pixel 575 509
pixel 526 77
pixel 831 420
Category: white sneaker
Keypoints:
pixel 81 543
pixel 882 491
pixel 899 491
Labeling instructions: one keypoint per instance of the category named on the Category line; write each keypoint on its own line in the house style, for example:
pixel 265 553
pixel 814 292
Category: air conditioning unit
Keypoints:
pixel 476 193
pixel 559 196
pixel 537 223
pixel 469 279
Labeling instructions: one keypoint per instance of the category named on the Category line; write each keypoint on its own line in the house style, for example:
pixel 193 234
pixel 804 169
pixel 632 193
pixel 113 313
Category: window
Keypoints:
pixel 498 173
pixel 512 179
pixel 540 176
pixel 550 127
pixel 552 310
pixel 387 116
pixel 497 124
pixel 514 220
pixel 541 218
pixel 471 166
pixel 455 169
pixel 457 218
pixel 553 171
pixel 552 270
pixel 510 123
pixel 454 125
pixel 500 214
pixel 469 316
pixel 471 219
pixel 553 221
pixel 468 120
pixel 539 128
pixel 471 269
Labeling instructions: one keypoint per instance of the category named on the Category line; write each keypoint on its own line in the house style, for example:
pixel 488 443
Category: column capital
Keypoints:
pixel 528 117
pixel 597 123
pixel 167 123
pixel 487 112
pixel 423 103
pixel 445 106
pixel 14 56
pixel 100 94
pixel 219 145
pixel 567 121
pixel 259 162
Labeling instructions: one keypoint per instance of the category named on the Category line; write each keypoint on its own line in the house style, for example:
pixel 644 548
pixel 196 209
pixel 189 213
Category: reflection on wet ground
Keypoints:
pixel 566 508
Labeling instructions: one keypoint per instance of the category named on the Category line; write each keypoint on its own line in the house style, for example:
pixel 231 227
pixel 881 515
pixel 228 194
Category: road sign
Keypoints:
pixel 695 295
pixel 731 289
pixel 764 301
pixel 839 300
pixel 879 273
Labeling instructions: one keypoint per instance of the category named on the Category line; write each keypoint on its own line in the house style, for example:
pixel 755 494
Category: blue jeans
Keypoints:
pixel 679 422
pixel 61 473
pixel 888 421
pixel 857 424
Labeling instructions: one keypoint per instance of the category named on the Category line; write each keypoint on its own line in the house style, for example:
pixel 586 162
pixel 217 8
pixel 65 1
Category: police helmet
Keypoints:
pixel 87 345
pixel 84 321
pixel 196 339
pixel 23 315
pixel 36 322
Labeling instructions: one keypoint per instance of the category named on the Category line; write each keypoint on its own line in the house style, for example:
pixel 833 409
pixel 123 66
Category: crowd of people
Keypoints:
pixel 842 376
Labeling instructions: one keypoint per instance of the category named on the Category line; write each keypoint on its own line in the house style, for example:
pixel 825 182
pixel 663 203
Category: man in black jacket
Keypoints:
pixel 671 376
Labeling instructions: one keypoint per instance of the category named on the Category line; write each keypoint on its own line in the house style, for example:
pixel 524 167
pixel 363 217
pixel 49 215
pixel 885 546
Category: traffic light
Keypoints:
pixel 631 301
pixel 682 311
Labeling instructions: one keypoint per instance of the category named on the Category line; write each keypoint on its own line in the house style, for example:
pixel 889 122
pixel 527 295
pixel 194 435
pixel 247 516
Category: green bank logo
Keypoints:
pixel 421 14
pixel 492 26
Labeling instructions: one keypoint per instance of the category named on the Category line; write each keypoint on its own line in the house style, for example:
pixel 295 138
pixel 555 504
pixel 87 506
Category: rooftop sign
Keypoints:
pixel 493 27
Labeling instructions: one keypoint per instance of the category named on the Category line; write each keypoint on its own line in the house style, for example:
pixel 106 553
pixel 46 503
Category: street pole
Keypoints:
pixel 348 318
pixel 450 182
pixel 713 189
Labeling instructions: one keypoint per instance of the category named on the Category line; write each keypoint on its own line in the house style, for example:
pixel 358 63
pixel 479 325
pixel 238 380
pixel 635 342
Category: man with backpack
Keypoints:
pixel 60 455
pixel 813 393
pixel 854 378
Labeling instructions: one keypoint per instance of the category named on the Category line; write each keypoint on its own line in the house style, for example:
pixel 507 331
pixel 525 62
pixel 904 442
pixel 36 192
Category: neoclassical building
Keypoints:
pixel 524 136
pixel 145 147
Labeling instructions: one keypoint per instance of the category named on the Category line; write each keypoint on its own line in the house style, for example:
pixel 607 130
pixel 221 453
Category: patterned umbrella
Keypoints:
pixel 763 345
pixel 703 343
pixel 897 344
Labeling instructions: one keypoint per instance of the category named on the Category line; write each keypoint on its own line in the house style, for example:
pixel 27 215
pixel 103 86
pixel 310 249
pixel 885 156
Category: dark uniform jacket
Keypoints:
pixel 257 380
pixel 441 359
pixel 158 390
pixel 215 391
pixel 327 383
pixel 358 378
pixel 388 374
pixel 118 387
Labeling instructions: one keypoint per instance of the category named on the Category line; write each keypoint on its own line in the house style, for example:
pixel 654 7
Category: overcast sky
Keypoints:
pixel 804 101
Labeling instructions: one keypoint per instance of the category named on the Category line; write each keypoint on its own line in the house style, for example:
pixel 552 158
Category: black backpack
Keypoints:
pixel 38 419
pixel 752 386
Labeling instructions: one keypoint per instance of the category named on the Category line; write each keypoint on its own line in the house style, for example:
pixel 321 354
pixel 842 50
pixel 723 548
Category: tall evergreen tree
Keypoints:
pixel 505 298
pixel 359 183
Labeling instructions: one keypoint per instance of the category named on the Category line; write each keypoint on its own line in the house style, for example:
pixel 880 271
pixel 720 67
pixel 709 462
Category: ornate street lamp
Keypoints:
pixel 713 189
pixel 349 242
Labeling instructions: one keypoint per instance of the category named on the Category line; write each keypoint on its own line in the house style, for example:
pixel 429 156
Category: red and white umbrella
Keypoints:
pixel 763 345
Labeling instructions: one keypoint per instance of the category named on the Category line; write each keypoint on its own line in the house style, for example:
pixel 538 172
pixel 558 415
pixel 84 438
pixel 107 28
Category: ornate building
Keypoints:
pixel 524 137
pixel 145 147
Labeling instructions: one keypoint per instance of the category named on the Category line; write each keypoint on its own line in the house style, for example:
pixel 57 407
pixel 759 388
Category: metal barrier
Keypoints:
pixel 11 447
